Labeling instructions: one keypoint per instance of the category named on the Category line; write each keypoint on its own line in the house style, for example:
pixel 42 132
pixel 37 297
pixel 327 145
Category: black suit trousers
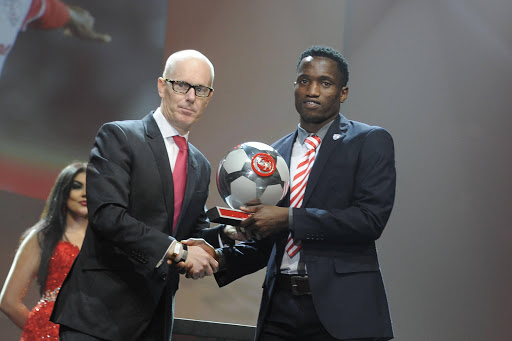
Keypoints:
pixel 293 317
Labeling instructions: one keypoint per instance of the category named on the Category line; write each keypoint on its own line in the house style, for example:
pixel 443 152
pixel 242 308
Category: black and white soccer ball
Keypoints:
pixel 252 173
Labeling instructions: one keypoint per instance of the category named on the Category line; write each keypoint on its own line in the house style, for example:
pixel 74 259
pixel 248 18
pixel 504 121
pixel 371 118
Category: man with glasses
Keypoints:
pixel 147 189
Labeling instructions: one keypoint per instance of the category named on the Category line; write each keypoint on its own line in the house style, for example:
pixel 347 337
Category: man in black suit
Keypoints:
pixel 122 284
pixel 330 287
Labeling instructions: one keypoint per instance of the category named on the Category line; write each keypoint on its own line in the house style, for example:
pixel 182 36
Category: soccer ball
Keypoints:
pixel 252 173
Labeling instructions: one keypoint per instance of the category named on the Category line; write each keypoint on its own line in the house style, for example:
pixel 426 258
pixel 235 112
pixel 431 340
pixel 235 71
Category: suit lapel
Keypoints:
pixel 286 153
pixel 157 145
pixel 334 136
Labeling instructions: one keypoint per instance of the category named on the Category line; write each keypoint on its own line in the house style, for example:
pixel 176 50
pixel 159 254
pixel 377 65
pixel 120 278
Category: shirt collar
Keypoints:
pixel 165 127
pixel 303 134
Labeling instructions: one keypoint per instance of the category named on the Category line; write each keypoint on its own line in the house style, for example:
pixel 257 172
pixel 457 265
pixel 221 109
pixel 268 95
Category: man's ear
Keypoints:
pixel 343 94
pixel 161 85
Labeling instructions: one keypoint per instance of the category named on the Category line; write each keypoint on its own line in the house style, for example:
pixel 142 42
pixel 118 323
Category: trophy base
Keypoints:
pixel 228 216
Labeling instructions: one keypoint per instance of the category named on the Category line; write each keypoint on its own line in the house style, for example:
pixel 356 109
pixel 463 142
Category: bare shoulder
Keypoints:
pixel 29 246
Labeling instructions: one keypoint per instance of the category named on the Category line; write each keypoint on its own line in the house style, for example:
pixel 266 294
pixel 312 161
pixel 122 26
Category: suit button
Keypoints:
pixel 163 276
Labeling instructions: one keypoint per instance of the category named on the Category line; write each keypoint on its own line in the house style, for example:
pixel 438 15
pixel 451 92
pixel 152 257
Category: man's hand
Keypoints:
pixel 233 233
pixel 264 221
pixel 81 25
pixel 200 259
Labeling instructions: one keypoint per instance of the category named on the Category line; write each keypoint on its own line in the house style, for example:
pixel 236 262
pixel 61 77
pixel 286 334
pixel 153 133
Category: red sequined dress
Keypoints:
pixel 38 325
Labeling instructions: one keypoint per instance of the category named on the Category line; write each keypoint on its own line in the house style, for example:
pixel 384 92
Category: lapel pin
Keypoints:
pixel 336 137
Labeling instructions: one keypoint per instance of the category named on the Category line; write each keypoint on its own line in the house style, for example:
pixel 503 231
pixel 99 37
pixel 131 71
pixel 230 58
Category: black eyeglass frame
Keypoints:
pixel 172 81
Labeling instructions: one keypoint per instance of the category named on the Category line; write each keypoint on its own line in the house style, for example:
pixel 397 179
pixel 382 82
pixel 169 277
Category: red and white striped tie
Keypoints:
pixel 299 185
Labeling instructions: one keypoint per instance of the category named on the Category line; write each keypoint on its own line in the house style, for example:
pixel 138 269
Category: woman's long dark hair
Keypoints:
pixel 52 223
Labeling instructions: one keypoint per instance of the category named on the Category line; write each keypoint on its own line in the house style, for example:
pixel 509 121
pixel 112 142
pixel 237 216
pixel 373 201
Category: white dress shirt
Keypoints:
pixel 289 265
pixel 168 131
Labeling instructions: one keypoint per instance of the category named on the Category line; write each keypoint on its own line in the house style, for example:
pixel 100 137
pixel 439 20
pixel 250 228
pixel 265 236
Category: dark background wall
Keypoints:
pixel 55 92
pixel 436 74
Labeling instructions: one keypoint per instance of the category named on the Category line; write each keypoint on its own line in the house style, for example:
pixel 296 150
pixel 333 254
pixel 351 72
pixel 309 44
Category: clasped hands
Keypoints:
pixel 202 259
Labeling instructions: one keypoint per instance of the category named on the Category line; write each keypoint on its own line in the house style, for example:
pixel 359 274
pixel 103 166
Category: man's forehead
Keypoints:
pixel 318 65
pixel 316 59
pixel 192 67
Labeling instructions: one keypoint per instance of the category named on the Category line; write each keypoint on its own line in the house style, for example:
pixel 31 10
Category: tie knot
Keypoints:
pixel 181 142
pixel 312 142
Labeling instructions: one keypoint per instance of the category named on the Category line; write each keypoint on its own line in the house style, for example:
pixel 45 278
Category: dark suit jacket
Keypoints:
pixel 347 203
pixel 114 285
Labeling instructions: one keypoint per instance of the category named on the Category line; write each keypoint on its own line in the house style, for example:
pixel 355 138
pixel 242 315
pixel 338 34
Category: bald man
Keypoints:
pixel 146 191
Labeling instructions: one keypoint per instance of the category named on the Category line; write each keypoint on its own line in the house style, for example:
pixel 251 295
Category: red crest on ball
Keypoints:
pixel 263 164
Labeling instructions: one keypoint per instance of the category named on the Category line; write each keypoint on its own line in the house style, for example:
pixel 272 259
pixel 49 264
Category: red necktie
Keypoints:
pixel 179 176
pixel 299 184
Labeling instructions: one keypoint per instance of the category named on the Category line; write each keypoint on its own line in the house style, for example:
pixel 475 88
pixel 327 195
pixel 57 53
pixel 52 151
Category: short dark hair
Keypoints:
pixel 328 52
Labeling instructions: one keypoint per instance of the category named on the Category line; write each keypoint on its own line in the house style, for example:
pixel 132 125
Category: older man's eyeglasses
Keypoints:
pixel 183 87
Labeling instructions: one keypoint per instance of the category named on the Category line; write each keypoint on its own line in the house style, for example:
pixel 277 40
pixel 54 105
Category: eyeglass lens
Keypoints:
pixel 183 87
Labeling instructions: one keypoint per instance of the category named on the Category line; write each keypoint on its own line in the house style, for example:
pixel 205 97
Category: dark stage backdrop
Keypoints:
pixel 55 92
pixel 436 74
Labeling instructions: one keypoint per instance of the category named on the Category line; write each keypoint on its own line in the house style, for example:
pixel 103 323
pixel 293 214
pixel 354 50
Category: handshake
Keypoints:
pixel 199 260
pixel 203 260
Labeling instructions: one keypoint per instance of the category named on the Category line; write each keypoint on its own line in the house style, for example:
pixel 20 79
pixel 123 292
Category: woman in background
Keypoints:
pixel 46 252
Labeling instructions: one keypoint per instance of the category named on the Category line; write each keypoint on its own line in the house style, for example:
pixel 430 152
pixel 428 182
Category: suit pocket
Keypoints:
pixel 355 264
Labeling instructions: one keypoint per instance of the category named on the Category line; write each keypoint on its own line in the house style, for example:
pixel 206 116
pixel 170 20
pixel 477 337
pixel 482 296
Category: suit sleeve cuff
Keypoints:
pixel 165 254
